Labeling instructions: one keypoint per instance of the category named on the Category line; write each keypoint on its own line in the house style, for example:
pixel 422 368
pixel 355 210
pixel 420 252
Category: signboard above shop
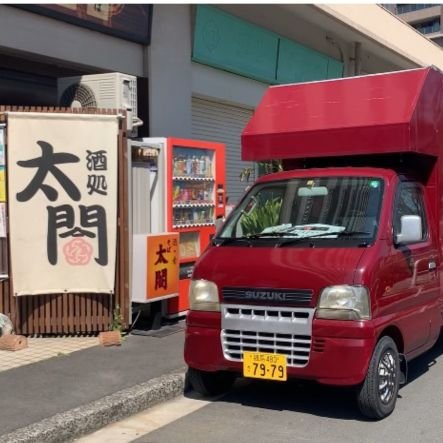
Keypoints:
pixel 127 21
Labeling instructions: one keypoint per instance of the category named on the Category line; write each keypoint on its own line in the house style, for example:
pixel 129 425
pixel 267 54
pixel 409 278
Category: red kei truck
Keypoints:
pixel 329 270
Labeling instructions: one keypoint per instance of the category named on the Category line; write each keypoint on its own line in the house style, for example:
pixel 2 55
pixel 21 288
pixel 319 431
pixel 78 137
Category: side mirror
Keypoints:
pixel 411 230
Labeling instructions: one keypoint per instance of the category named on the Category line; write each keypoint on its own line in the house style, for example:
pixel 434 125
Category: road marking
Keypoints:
pixel 134 427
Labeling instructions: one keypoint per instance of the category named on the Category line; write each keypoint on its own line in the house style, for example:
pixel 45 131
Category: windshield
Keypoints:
pixel 317 208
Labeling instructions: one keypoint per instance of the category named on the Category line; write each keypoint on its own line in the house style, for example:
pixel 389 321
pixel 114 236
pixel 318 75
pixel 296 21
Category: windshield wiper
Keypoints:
pixel 219 241
pixel 295 238
pixel 324 234
pixel 273 234
pixel 352 233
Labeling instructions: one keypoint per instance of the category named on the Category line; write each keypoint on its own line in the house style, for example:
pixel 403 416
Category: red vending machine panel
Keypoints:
pixel 196 198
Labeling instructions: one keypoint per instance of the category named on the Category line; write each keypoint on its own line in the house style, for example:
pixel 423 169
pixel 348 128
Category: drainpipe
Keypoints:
pixel 334 43
pixel 357 58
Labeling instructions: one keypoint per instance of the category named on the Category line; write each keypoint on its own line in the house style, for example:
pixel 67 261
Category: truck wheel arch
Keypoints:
pixel 396 335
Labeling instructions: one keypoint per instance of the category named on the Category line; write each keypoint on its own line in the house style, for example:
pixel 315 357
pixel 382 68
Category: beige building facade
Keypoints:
pixel 426 18
pixel 195 78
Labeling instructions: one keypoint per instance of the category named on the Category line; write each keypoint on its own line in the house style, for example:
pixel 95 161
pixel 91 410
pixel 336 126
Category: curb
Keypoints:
pixel 82 420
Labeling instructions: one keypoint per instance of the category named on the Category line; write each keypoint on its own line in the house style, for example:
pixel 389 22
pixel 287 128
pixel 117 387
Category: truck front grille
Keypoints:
pixel 301 297
pixel 277 330
pixel 295 347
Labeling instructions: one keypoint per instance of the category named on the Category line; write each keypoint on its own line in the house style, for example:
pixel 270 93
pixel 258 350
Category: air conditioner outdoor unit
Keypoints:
pixel 111 90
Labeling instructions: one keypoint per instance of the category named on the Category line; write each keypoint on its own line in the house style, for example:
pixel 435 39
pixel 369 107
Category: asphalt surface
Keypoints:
pixel 255 411
pixel 35 392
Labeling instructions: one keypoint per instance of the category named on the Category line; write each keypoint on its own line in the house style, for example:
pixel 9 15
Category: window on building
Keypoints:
pixel 403 8
pixel 428 27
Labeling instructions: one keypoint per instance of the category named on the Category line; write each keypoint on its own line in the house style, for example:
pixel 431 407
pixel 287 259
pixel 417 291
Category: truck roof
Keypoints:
pixel 329 172
pixel 395 112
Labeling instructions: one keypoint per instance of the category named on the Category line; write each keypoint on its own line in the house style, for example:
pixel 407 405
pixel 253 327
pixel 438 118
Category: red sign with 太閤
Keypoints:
pixel 163 265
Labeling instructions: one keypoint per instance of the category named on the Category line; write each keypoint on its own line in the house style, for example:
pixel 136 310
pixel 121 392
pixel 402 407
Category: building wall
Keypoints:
pixel 176 82
pixel 41 46
pixel 421 15
pixel 386 35
pixel 292 26
pixel 170 72
pixel 35 50
pixel 24 33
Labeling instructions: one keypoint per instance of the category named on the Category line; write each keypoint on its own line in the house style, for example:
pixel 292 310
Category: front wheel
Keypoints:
pixel 209 384
pixel 378 393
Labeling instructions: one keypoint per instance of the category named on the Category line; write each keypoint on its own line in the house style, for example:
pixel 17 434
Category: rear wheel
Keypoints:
pixel 210 383
pixel 378 393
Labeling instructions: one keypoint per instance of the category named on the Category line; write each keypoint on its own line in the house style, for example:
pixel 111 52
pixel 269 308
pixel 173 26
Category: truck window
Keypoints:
pixel 263 210
pixel 410 201
pixel 323 208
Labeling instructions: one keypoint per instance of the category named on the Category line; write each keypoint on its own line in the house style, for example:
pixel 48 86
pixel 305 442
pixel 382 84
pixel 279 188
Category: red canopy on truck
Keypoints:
pixel 374 114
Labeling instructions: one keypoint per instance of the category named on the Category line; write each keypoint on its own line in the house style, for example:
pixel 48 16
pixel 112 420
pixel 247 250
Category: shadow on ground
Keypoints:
pixel 306 397
pixel 425 362
pixel 312 398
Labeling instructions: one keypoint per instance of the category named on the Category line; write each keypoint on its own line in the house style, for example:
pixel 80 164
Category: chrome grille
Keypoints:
pixel 268 295
pixel 266 313
pixel 284 331
pixel 296 348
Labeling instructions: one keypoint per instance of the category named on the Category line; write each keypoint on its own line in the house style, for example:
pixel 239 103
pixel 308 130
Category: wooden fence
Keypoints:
pixel 73 313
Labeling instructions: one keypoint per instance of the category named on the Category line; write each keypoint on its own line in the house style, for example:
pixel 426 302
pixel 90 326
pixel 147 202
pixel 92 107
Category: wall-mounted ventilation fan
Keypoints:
pixel 112 90
pixel 78 96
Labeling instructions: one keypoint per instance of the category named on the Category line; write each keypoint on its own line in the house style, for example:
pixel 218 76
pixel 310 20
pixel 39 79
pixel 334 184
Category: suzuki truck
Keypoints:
pixel 329 270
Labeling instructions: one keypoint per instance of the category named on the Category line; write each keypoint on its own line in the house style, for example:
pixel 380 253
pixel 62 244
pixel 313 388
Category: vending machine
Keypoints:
pixel 186 195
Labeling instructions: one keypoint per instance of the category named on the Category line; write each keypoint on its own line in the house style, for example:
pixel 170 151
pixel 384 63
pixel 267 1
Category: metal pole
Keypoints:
pixel 357 58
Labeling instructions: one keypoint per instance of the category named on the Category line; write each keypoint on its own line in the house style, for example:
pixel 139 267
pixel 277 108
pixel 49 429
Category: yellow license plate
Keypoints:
pixel 264 365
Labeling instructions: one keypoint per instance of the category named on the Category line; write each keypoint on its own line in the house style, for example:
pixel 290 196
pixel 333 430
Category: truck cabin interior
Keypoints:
pixel 391 120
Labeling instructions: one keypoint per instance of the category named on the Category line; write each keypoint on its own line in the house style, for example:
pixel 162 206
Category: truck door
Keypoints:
pixel 412 291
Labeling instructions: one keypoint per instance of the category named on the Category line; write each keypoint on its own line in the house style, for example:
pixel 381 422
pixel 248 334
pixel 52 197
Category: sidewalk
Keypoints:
pixel 92 386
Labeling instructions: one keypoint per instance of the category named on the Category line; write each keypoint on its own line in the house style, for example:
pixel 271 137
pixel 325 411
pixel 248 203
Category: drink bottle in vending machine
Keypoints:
pixel 195 179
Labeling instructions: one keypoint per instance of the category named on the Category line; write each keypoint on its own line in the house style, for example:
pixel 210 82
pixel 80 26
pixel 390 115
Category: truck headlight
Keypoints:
pixel 203 296
pixel 344 303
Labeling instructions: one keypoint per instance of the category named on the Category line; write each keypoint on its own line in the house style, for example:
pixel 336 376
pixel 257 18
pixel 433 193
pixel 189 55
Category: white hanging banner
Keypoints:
pixel 3 221
pixel 2 145
pixel 62 194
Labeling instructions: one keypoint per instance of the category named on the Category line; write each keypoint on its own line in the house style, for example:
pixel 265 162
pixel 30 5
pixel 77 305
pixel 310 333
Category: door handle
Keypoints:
pixel 432 265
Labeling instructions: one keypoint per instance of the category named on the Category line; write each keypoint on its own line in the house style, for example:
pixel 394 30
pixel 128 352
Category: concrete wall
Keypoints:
pixel 421 15
pixel 291 25
pixel 169 71
pixel 225 87
pixel 62 43
pixel 385 35
pixel 386 44
pixel 331 30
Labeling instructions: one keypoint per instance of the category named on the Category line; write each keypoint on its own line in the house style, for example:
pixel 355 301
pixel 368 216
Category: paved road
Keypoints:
pixel 37 391
pixel 273 412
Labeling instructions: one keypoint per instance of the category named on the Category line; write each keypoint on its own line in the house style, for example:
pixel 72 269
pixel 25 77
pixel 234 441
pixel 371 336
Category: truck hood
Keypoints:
pixel 278 270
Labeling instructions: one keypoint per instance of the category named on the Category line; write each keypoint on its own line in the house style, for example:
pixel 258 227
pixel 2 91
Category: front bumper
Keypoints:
pixel 339 355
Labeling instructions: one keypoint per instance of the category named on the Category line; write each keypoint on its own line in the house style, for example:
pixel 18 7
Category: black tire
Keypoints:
pixel 209 384
pixel 378 393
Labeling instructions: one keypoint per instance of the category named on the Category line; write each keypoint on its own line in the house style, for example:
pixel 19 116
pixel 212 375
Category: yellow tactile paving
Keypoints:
pixel 42 348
